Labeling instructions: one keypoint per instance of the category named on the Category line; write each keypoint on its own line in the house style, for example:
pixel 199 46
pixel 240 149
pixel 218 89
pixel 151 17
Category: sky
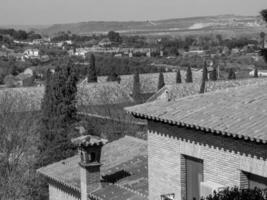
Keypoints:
pixel 45 12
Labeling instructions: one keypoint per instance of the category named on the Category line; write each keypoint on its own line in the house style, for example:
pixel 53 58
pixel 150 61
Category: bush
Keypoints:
pixel 238 194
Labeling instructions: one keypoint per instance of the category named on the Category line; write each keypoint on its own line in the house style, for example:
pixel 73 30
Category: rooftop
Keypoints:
pixel 100 94
pixel 127 154
pixel 239 112
pixel 181 90
pixel 149 81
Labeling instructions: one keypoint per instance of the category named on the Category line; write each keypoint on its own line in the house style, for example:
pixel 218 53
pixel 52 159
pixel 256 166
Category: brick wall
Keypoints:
pixel 90 180
pixel 224 158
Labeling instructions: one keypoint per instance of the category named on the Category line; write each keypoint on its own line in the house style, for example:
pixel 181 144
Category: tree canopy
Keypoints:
pixel 189 78
pixel 178 76
pixel 59 112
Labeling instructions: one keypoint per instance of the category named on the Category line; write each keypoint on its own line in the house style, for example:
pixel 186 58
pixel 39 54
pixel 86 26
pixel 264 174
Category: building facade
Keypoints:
pixel 224 162
pixel 207 142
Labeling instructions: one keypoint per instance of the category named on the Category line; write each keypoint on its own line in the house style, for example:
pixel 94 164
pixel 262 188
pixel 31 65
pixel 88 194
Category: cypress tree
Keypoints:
pixel 263 51
pixel 189 78
pixel 205 71
pixel 136 87
pixel 161 82
pixel 231 75
pixel 256 73
pixel 213 75
pixel 91 74
pixel 204 78
pixel 113 76
pixel 59 113
pixel 178 76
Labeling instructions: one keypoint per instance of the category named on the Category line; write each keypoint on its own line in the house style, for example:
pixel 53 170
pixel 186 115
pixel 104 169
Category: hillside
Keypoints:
pixel 222 22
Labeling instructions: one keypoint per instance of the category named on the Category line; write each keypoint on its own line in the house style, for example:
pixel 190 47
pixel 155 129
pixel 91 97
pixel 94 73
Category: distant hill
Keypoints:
pixel 221 23
pixel 149 27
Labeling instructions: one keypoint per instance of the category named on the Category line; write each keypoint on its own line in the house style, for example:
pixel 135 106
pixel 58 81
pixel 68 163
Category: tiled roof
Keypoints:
pixel 239 112
pixel 102 93
pixel 91 94
pixel 178 91
pixel 128 154
pixel 149 81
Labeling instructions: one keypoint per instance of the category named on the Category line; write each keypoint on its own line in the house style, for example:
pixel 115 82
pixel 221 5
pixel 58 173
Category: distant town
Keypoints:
pixel 127 115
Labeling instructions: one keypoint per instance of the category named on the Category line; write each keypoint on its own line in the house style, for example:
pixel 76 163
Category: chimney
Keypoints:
pixel 89 148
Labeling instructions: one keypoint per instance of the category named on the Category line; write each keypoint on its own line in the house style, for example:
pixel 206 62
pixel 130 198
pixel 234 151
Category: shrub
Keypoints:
pixel 238 194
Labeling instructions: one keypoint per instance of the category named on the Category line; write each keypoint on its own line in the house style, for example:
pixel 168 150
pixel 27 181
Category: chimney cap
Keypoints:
pixel 88 140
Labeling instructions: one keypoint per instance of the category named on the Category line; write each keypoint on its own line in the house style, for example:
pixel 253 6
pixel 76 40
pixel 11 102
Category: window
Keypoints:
pixel 93 157
pixel 194 176
pixel 256 181
pixel 167 196
pixel 251 181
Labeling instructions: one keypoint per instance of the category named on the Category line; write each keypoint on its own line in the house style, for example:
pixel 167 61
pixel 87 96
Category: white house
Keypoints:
pixel 31 53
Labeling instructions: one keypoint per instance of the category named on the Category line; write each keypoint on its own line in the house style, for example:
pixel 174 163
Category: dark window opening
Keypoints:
pixel 113 178
pixel 93 157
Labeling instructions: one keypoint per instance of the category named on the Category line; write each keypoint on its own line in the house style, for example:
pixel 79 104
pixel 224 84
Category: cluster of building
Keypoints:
pixel 196 144
pixel 43 41
pixel 117 51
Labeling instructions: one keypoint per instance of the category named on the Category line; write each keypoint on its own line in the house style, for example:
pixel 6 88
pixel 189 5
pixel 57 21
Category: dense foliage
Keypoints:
pixel 238 194
pixel 58 113
pixel 20 34
pixel 114 37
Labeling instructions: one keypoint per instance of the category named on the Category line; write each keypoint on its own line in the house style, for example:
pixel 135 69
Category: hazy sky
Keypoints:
pixel 62 11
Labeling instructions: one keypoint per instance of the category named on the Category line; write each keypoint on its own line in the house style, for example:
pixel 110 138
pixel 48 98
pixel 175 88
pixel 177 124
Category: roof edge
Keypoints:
pixel 195 127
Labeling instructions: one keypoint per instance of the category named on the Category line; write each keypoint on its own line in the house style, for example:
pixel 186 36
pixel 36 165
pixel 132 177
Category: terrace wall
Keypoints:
pixel 224 158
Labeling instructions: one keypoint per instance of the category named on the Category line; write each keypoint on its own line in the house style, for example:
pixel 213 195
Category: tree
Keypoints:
pixel 256 73
pixel 59 113
pixel 263 51
pixel 231 75
pixel 262 36
pixel 92 77
pixel 161 82
pixel 204 79
pixel 114 37
pixel 214 75
pixel 189 78
pixel 136 87
pixel 178 76
pixel 205 71
pixel 264 14
pixel 114 77
pixel 18 146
